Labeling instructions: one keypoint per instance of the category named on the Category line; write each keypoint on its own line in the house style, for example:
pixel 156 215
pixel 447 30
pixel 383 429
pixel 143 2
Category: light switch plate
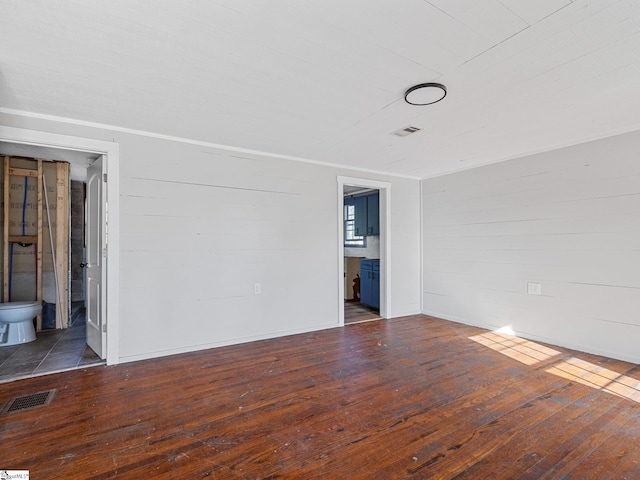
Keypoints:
pixel 534 288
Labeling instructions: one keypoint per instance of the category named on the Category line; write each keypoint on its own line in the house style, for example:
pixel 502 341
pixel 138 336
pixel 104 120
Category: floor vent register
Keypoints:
pixel 27 402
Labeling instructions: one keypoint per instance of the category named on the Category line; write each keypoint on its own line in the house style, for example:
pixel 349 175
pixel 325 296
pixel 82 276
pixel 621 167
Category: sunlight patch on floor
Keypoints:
pixel 572 368
pixel 519 349
pixel 601 378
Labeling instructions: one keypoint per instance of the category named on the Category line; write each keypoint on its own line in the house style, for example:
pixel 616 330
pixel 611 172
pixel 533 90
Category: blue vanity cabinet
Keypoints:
pixel 375 284
pixel 370 283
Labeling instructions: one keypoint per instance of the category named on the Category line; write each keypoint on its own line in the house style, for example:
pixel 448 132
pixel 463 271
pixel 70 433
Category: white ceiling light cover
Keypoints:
pixel 425 94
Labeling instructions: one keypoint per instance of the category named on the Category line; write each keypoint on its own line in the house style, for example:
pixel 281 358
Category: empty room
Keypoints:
pixel 319 239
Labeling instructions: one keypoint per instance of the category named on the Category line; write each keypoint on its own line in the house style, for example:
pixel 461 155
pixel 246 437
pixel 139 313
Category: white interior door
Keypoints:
pixel 96 254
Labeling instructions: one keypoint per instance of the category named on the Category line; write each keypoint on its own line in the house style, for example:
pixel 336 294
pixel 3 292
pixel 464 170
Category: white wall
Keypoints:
pixel 568 219
pixel 200 226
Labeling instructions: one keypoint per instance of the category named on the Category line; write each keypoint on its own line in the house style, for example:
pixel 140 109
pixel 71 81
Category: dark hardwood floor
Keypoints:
pixel 415 397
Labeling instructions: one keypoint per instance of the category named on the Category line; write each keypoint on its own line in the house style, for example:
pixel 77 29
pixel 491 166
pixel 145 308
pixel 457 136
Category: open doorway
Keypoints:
pixel 361 254
pixel 363 246
pixel 44 224
pixel 80 153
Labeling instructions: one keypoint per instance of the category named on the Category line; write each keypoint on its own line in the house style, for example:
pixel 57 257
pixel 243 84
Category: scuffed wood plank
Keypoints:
pixel 23 172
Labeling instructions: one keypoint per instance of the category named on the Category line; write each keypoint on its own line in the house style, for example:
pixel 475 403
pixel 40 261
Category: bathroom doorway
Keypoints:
pixel 40 197
pixel 80 153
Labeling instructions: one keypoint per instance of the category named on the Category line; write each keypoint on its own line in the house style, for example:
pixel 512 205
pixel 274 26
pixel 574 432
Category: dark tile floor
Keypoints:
pixel 52 351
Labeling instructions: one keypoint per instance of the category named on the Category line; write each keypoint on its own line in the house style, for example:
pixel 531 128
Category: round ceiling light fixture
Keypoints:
pixel 425 94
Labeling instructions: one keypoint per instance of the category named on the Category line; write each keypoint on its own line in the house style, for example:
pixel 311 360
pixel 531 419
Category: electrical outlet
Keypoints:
pixel 257 288
pixel 534 288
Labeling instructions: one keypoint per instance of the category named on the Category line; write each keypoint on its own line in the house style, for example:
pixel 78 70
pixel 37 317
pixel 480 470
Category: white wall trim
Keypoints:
pixel 111 151
pixel 340 205
pixel 385 241
pixel 439 173
pixel 225 343
pixel 160 136
pixel 422 266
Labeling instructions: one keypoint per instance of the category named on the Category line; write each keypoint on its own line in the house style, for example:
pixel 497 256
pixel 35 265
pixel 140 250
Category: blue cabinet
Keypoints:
pixel 348 201
pixel 373 214
pixel 367 212
pixel 370 283
pixel 360 204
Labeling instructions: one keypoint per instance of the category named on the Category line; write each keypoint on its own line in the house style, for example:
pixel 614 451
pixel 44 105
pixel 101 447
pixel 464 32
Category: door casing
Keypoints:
pixel 385 237
pixel 110 203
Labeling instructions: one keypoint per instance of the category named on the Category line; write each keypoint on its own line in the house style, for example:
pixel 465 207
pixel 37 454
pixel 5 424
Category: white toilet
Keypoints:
pixel 16 322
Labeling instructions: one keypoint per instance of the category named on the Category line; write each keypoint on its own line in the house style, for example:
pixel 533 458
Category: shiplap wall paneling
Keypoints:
pixel 564 219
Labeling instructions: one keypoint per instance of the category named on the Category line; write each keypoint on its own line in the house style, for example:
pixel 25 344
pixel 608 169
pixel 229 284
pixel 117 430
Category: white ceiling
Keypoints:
pixel 323 80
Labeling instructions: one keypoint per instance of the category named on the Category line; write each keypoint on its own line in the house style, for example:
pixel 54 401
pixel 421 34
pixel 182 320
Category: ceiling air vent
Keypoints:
pixel 403 132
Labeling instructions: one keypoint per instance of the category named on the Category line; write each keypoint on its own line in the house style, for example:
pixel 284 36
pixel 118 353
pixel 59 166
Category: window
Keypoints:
pixel 350 237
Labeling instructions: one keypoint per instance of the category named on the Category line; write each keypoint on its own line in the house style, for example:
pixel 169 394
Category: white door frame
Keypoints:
pixel 111 203
pixel 385 237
